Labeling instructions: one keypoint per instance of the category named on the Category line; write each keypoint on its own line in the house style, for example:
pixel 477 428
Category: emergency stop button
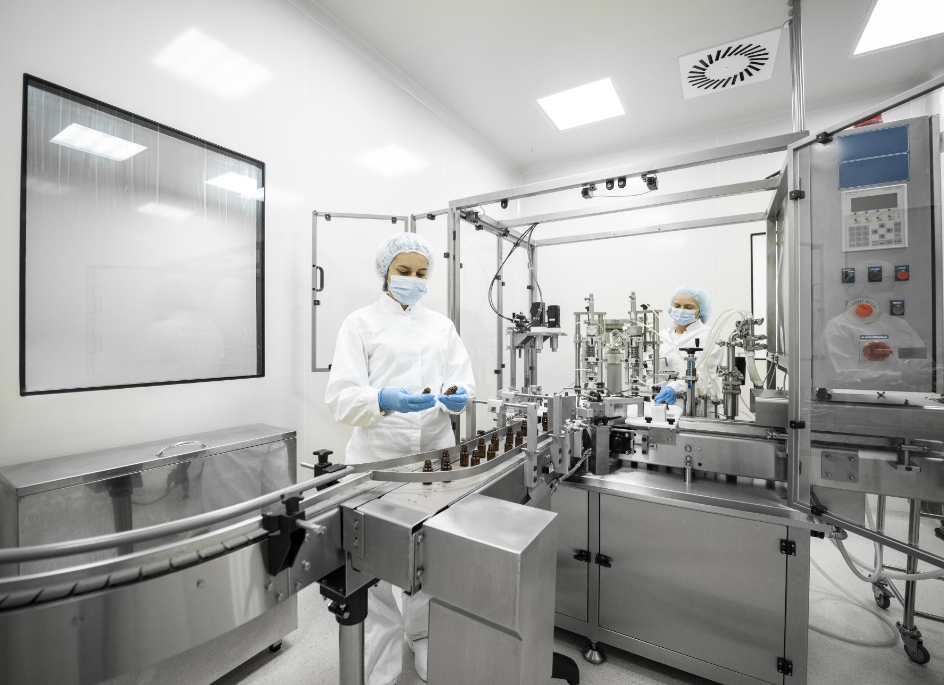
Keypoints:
pixel 862 310
pixel 902 273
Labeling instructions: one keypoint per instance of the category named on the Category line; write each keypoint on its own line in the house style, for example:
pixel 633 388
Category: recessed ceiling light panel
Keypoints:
pixel 895 22
pixel 583 105
pixel 391 160
pixel 94 142
pixel 731 65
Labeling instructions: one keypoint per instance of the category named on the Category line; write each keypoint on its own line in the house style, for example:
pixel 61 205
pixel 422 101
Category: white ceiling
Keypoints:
pixel 487 61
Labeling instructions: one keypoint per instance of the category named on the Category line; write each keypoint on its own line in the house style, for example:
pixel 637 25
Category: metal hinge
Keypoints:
pixel 784 666
pixel 797 194
pixel 603 560
pixel 583 555
pixel 797 425
pixel 788 547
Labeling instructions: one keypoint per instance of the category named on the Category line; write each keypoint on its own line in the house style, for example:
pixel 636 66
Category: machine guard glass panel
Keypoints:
pixel 141 250
pixel 873 260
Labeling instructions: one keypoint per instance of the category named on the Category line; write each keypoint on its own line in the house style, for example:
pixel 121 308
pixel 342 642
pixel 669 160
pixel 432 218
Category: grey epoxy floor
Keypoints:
pixel 309 655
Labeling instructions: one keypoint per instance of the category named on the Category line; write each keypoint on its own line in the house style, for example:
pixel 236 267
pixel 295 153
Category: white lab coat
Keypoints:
pixel 673 361
pixel 385 346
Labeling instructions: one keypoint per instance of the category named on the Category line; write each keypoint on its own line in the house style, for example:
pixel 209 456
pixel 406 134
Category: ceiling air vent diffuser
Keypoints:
pixel 731 65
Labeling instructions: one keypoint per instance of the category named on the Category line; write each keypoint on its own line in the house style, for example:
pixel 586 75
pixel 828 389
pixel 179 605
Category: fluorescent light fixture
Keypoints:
pixel 236 182
pixel 893 22
pixel 583 105
pixel 164 211
pixel 209 64
pixel 391 160
pixel 89 140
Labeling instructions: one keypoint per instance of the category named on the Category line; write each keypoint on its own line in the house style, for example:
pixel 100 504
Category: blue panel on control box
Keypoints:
pixel 874 143
pixel 874 171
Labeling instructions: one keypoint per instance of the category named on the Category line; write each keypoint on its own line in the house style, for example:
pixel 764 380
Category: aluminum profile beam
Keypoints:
pixel 723 153
pixel 661 228
pixel 647 201
pixel 379 217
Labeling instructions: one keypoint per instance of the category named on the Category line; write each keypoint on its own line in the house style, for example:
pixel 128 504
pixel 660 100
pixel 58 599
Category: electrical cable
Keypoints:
pixel 497 273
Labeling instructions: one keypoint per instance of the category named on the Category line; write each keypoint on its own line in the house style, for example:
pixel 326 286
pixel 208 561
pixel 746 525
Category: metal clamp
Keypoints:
pixel 180 444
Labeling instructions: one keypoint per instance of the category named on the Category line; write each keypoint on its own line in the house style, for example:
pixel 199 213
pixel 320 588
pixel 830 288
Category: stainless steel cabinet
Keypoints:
pixel 573 575
pixel 712 578
pixel 705 585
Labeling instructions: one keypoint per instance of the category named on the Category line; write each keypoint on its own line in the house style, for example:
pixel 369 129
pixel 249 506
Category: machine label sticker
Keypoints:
pixel 874 348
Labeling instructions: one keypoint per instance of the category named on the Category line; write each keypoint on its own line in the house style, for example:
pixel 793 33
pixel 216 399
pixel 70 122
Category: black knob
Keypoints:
pixel 322 455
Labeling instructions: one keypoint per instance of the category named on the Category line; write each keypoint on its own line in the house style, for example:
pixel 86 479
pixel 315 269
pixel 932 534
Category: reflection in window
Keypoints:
pixel 142 250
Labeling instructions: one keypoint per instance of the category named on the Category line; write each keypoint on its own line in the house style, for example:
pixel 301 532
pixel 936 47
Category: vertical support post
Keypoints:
pixel 500 334
pixel 796 67
pixel 314 289
pixel 470 419
pixel 531 466
pixel 452 263
pixel 351 654
pixel 410 224
pixel 532 351
pixel 911 566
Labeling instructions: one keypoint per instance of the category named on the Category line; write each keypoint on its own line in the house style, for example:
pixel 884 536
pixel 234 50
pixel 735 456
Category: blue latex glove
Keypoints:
pixel 667 396
pixel 402 400
pixel 455 402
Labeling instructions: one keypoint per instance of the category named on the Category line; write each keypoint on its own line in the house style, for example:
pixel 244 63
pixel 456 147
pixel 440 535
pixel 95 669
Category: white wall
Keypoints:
pixel 323 107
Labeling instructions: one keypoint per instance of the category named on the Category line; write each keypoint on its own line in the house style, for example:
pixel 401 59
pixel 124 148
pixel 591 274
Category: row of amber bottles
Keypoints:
pixel 482 452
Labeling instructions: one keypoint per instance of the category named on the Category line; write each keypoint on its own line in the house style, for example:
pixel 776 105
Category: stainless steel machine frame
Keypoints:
pixel 913 423
pixel 129 614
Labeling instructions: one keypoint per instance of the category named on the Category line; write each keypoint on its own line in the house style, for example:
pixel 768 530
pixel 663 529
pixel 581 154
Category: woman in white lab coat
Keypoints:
pixel 387 353
pixel 690 308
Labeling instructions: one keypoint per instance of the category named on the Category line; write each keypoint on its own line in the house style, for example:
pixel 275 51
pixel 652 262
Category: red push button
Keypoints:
pixel 864 310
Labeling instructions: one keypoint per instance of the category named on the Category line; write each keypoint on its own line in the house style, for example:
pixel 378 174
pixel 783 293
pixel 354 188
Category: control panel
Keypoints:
pixel 874 215
pixel 875 218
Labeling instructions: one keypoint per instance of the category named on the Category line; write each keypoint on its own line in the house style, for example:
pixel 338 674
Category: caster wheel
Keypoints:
pixel 883 600
pixel 921 656
pixel 276 647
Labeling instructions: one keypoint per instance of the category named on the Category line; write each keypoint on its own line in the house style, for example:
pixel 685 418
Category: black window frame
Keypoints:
pixel 48 86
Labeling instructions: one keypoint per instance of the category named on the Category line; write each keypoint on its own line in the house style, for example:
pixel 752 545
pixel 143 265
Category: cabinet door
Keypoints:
pixel 571 506
pixel 709 586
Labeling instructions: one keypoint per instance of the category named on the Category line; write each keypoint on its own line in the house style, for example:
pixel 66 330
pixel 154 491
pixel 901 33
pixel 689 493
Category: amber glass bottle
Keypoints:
pixel 519 439
pixel 480 449
pixel 464 456
pixel 494 443
pixel 428 468
pixel 491 453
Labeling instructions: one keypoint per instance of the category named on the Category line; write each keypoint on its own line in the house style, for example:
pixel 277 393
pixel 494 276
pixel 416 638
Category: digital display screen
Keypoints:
pixel 870 202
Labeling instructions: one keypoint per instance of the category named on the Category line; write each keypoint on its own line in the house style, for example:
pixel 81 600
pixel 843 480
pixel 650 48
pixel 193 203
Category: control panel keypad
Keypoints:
pixel 875 228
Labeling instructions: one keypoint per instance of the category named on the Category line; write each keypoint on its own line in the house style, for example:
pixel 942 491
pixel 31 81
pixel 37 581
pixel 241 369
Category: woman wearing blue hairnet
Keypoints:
pixel 386 354
pixel 689 308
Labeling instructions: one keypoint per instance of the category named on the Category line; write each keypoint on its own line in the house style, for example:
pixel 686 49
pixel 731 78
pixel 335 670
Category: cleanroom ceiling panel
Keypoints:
pixel 488 61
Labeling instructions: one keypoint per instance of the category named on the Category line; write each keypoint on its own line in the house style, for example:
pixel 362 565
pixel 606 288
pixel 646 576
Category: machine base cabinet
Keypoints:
pixel 709 593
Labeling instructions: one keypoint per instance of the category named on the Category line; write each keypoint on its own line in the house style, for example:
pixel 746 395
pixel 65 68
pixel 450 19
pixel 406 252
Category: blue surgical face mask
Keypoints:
pixel 407 289
pixel 683 317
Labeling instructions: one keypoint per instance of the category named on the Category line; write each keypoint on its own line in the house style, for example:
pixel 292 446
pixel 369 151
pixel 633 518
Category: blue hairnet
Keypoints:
pixel 397 244
pixel 701 297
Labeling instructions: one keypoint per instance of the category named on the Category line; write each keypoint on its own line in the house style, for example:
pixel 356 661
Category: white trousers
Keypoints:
pixel 385 627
